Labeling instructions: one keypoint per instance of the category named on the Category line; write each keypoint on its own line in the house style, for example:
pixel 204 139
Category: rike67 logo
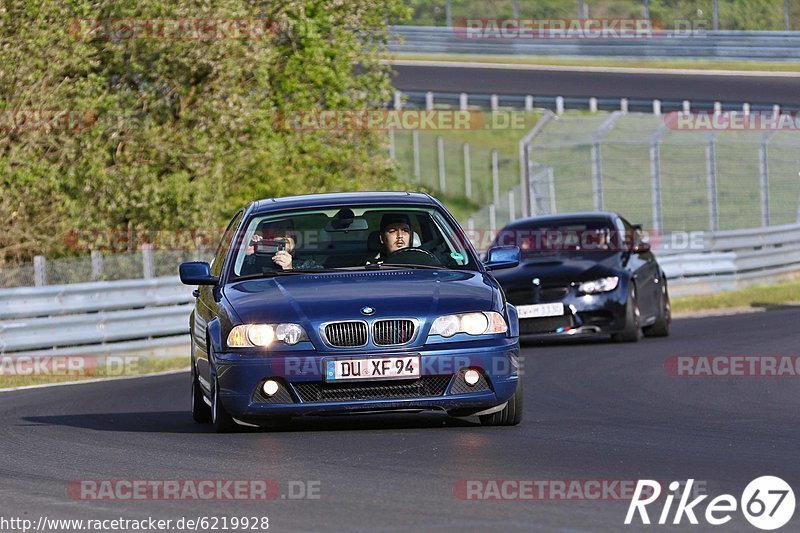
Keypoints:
pixel 767 503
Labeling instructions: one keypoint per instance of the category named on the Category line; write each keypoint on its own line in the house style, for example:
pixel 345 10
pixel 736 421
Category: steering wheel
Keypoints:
pixel 412 256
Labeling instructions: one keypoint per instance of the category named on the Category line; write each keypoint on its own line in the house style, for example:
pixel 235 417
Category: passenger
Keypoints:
pixel 282 234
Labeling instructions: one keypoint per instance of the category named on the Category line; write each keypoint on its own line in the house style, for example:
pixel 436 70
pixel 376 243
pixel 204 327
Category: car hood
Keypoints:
pixel 559 270
pixel 311 299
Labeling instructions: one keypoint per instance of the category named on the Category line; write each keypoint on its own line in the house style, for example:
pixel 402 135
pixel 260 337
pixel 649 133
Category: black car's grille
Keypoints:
pixel 534 295
pixel 392 332
pixel 346 334
pixel 335 392
pixel 533 326
pixel 552 294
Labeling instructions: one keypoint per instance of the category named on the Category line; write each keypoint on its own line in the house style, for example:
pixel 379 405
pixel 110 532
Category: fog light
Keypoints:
pixel 471 377
pixel 270 387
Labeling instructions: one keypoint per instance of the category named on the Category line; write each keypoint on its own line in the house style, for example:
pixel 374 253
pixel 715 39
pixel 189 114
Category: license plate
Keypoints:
pixel 406 367
pixel 540 310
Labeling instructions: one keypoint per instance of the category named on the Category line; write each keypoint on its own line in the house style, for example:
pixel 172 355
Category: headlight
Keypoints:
pixel 469 323
pixel 599 285
pixel 251 335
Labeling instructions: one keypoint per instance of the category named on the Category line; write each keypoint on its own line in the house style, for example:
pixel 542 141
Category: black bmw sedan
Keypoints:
pixel 585 274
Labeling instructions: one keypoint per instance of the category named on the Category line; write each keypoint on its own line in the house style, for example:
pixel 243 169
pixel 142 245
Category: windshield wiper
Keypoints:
pixel 283 273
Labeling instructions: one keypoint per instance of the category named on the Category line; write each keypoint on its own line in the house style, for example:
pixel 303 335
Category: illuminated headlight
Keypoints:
pixel 599 285
pixel 469 323
pixel 261 335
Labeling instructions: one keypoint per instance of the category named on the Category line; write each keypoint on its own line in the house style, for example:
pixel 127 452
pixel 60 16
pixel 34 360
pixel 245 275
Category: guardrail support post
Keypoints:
pixel 623 105
pixel 559 105
pixel 97 265
pixel 717 108
pixel 746 108
pixel 494 102
pixel 593 105
pixel 39 271
pixel 398 100
pixel 148 271
pixel 429 101
pixel 463 101
pixel 529 103
pixel 467 172
pixel 657 108
pixel 440 153
pixel 687 106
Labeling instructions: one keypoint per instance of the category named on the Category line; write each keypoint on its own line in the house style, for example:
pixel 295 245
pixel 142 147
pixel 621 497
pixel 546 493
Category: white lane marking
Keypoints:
pixel 573 68
pixel 97 380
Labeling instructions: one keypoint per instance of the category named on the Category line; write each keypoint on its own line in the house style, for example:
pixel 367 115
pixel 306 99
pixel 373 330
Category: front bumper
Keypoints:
pixel 305 392
pixel 583 315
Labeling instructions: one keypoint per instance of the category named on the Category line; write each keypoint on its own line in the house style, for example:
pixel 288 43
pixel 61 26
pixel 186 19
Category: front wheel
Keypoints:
pixel 632 316
pixel 222 420
pixel 510 415
pixel 660 327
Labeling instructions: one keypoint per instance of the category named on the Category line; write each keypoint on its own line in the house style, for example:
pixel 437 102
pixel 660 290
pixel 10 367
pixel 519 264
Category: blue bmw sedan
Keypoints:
pixel 351 303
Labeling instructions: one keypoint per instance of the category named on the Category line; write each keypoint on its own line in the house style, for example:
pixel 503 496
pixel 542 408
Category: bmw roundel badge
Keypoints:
pixel 367 310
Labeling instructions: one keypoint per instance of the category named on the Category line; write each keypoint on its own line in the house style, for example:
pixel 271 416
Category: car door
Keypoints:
pixel 208 298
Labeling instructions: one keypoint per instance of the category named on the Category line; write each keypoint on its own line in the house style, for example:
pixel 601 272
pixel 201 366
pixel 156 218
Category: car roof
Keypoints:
pixel 341 200
pixel 563 217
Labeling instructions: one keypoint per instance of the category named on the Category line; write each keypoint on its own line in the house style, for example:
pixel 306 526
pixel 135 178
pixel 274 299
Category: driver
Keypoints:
pixel 395 233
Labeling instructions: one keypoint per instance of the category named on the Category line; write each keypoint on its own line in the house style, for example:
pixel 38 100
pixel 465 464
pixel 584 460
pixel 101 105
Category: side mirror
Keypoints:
pixel 197 273
pixel 642 247
pixel 502 257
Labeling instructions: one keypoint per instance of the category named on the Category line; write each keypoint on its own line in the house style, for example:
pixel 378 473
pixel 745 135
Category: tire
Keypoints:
pixel 222 420
pixel 660 328
pixel 201 412
pixel 510 415
pixel 632 329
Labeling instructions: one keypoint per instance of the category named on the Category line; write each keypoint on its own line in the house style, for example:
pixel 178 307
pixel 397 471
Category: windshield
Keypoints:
pixel 349 238
pixel 561 238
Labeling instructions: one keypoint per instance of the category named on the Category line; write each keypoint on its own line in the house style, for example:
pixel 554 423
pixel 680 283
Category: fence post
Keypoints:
pixel 597 177
pixel 415 149
pixel 97 265
pixel 492 220
pixel 711 172
pixel 148 271
pixel 392 152
pixel 495 178
pixel 763 168
pixel 440 151
pixel 512 206
pixel 467 172
pixel 655 174
pixel 39 271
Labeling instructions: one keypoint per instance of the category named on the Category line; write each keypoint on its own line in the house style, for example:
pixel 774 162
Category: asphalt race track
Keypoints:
pixel 594 411
pixel 571 83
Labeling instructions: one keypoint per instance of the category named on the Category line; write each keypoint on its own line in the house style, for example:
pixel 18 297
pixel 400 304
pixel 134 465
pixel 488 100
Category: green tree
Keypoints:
pixel 176 130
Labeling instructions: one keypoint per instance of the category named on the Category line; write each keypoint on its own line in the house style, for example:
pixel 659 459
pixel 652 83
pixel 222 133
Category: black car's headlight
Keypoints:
pixel 599 285
pixel 483 323
pixel 260 335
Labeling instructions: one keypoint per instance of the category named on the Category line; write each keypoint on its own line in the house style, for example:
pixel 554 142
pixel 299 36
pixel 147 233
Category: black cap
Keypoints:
pixel 394 218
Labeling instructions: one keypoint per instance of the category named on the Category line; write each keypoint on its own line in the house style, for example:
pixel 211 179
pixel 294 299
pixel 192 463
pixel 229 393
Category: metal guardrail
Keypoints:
pixel 726 260
pixel 150 317
pixel 722 45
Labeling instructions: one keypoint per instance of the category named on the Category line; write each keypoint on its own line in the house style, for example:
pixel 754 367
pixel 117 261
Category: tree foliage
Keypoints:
pixel 177 131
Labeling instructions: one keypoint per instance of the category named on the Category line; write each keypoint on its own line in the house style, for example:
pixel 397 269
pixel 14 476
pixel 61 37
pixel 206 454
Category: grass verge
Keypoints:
pixel 757 296
pixel 22 372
